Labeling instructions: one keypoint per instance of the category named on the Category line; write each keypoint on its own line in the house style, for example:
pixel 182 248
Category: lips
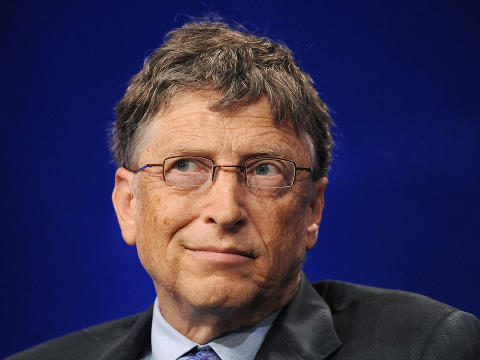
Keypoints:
pixel 226 250
pixel 221 254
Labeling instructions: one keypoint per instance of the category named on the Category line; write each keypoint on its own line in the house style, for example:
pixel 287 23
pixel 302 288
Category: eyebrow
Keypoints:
pixel 273 150
pixel 184 150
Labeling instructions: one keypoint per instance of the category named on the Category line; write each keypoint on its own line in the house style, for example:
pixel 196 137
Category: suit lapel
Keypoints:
pixel 303 330
pixel 135 344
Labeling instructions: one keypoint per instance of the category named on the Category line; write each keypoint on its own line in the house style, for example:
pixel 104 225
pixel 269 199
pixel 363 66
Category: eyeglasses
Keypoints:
pixel 258 172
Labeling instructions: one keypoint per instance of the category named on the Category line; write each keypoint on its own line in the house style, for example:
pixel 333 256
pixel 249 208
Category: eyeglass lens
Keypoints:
pixel 259 172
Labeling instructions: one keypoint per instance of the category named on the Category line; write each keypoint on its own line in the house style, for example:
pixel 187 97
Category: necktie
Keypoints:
pixel 201 353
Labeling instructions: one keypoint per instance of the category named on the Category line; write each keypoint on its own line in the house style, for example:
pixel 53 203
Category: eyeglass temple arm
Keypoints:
pixel 146 166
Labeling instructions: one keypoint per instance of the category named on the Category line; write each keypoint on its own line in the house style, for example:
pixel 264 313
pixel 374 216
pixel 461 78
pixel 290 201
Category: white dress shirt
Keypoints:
pixel 169 344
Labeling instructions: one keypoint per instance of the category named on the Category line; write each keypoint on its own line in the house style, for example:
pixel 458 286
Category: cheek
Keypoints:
pixel 159 217
pixel 293 234
pixel 163 211
pixel 283 231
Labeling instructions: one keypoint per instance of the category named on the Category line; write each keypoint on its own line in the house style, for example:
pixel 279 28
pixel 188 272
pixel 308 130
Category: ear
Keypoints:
pixel 316 207
pixel 124 204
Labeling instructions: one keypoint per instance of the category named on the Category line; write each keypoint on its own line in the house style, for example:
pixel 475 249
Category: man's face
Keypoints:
pixel 222 247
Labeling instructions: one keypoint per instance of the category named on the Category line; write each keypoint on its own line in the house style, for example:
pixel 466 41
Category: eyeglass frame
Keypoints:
pixel 242 168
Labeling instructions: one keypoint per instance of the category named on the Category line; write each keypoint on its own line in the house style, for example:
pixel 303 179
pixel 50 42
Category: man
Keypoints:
pixel 223 147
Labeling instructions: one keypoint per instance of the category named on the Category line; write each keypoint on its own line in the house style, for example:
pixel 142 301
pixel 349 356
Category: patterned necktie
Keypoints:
pixel 201 353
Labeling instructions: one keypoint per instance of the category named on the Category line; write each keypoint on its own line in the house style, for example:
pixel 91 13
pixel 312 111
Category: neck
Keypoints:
pixel 204 324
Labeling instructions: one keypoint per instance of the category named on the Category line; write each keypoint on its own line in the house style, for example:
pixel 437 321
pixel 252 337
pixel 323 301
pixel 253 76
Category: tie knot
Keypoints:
pixel 200 353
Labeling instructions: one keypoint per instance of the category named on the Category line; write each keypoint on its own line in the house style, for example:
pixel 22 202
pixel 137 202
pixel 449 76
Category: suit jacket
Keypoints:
pixel 327 320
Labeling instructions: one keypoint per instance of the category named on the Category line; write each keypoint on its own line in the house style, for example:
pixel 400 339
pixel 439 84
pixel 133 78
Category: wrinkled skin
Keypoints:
pixel 223 255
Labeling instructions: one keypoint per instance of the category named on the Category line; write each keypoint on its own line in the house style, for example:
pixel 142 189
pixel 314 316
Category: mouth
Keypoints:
pixel 223 255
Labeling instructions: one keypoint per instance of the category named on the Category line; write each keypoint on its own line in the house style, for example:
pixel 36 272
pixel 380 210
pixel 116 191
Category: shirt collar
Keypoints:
pixel 169 344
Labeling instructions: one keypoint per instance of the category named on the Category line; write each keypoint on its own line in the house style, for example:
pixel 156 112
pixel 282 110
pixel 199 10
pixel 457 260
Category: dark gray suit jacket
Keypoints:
pixel 327 320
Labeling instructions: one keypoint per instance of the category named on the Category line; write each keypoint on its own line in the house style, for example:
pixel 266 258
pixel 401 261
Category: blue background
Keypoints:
pixel 402 207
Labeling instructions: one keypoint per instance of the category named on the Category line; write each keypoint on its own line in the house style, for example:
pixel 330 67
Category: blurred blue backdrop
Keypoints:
pixel 402 206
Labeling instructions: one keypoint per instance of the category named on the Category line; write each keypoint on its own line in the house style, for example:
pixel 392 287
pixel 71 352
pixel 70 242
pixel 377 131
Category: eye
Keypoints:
pixel 187 171
pixel 270 172
pixel 184 165
pixel 187 165
pixel 266 170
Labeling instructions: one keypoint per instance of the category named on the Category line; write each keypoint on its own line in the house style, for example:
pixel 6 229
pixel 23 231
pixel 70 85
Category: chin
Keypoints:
pixel 219 294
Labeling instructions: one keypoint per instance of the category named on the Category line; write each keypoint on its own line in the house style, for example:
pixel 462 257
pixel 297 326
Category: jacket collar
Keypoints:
pixel 303 330
pixel 134 344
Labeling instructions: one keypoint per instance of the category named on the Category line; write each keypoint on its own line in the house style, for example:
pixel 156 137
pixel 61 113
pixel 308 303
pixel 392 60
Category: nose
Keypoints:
pixel 225 201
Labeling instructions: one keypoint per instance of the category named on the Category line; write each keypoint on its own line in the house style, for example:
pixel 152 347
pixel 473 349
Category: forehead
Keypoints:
pixel 190 127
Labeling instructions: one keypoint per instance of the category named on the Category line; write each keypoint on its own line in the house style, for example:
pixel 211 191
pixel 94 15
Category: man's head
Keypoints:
pixel 241 67
pixel 222 233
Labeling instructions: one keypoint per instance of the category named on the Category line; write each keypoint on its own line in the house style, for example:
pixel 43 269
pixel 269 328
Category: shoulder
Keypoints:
pixel 94 342
pixel 366 316
pixel 343 295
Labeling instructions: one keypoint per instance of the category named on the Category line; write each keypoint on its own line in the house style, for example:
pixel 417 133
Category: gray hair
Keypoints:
pixel 242 67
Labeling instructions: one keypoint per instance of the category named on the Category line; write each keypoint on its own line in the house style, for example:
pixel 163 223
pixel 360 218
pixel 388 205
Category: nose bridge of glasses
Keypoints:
pixel 239 169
